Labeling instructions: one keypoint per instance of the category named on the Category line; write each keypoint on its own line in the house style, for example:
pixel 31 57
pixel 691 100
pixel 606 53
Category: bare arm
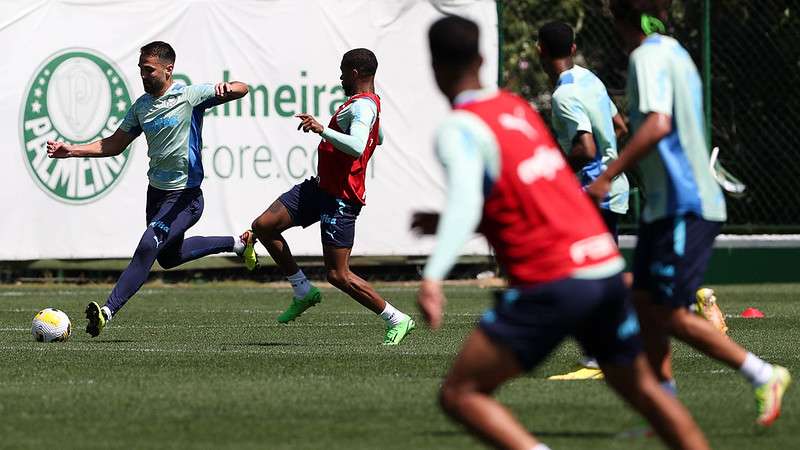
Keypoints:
pixel 655 127
pixel 110 146
pixel 230 91
pixel 620 129
pixel 583 151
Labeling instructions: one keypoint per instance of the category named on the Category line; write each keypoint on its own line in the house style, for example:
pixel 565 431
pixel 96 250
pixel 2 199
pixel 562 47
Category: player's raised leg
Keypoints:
pixel 169 216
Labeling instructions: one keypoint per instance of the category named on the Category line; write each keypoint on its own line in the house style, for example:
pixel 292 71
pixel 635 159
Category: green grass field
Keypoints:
pixel 207 366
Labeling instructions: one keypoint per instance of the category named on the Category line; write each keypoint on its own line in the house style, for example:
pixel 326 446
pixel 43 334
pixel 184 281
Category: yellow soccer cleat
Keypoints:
pixel 708 308
pixel 249 256
pixel 581 373
pixel 770 395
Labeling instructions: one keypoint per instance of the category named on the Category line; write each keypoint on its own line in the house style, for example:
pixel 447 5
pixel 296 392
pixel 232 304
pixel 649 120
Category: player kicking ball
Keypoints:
pixel 170 115
pixel 685 207
pixel 506 173
pixel 334 199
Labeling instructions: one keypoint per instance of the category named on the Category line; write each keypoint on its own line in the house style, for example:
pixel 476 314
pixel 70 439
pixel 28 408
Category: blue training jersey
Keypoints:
pixel 173 126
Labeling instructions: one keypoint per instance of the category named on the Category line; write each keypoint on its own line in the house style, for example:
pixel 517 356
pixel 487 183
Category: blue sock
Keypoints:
pixel 670 387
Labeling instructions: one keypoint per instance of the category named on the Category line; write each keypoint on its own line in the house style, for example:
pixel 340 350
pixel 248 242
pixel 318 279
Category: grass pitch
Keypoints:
pixel 207 366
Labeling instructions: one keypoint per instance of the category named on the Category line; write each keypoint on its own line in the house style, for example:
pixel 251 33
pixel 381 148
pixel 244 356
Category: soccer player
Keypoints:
pixel 587 124
pixel 685 207
pixel 170 114
pixel 335 198
pixel 505 171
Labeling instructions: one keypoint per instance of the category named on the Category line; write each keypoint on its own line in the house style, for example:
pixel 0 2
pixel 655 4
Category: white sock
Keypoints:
pixel 238 245
pixel 756 370
pixel 392 315
pixel 300 284
pixel 105 310
pixel 589 363
pixel 540 446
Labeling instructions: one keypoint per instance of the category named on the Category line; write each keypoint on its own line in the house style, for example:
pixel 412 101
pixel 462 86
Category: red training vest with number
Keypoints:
pixel 340 174
pixel 541 224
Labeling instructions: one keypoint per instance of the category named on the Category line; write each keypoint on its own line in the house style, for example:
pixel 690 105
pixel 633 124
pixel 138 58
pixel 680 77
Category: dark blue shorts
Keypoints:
pixel 671 258
pixel 597 313
pixel 308 204
pixel 171 213
pixel 611 220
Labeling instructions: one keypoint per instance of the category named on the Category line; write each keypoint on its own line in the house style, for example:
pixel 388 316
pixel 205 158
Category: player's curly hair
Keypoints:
pixel 556 39
pixel 362 60
pixel 160 49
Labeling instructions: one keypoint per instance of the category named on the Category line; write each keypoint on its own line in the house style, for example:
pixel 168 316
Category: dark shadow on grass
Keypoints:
pixel 270 344
pixel 577 434
pixel 544 434
pixel 115 341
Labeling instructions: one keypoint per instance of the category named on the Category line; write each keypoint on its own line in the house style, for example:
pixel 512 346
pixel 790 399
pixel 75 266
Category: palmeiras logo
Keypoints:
pixel 76 96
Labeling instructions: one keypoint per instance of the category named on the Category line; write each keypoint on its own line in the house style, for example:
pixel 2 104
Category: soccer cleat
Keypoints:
pixel 708 308
pixel 581 373
pixel 395 334
pixel 770 394
pixel 249 256
pixel 300 304
pixel 97 319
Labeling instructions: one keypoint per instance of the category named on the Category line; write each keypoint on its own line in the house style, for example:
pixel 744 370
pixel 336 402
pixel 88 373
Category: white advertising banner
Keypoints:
pixel 70 72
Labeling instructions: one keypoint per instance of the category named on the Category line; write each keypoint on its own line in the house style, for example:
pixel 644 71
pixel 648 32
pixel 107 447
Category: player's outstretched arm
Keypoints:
pixel 110 146
pixel 232 90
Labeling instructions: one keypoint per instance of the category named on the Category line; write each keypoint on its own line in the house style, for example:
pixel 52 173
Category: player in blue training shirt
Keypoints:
pixel 170 115
pixel 685 207
pixel 587 124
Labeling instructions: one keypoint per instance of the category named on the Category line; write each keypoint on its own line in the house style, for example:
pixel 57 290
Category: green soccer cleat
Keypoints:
pixel 97 319
pixel 396 334
pixel 299 305
pixel 249 256
pixel 769 396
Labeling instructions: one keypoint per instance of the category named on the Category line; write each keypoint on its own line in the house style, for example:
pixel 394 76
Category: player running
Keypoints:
pixel 335 198
pixel 170 115
pixel 505 172
pixel 685 207
pixel 587 125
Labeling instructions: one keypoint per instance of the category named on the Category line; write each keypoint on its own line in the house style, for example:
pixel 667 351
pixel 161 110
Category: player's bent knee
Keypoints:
pixel 338 278
pixel 168 262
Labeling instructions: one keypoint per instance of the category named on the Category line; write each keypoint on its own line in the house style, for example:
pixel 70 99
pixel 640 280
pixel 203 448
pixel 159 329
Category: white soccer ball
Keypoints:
pixel 51 325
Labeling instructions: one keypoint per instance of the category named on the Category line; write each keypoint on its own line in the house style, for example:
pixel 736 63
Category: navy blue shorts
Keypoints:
pixel 671 258
pixel 308 204
pixel 597 313
pixel 171 213
pixel 611 220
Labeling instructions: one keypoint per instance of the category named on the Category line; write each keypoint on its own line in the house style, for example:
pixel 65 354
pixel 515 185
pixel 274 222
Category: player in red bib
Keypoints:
pixel 335 198
pixel 507 177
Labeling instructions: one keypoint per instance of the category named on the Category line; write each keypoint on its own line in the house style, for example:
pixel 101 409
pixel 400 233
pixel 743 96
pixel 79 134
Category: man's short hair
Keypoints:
pixel 556 39
pixel 362 60
pixel 631 10
pixel 454 41
pixel 160 49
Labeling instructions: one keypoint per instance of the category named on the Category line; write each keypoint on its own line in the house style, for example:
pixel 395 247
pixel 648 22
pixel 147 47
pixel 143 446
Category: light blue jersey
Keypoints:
pixel 662 78
pixel 581 104
pixel 173 125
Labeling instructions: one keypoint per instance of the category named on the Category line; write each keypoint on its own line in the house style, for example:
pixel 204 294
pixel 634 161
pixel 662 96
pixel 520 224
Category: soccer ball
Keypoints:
pixel 51 325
